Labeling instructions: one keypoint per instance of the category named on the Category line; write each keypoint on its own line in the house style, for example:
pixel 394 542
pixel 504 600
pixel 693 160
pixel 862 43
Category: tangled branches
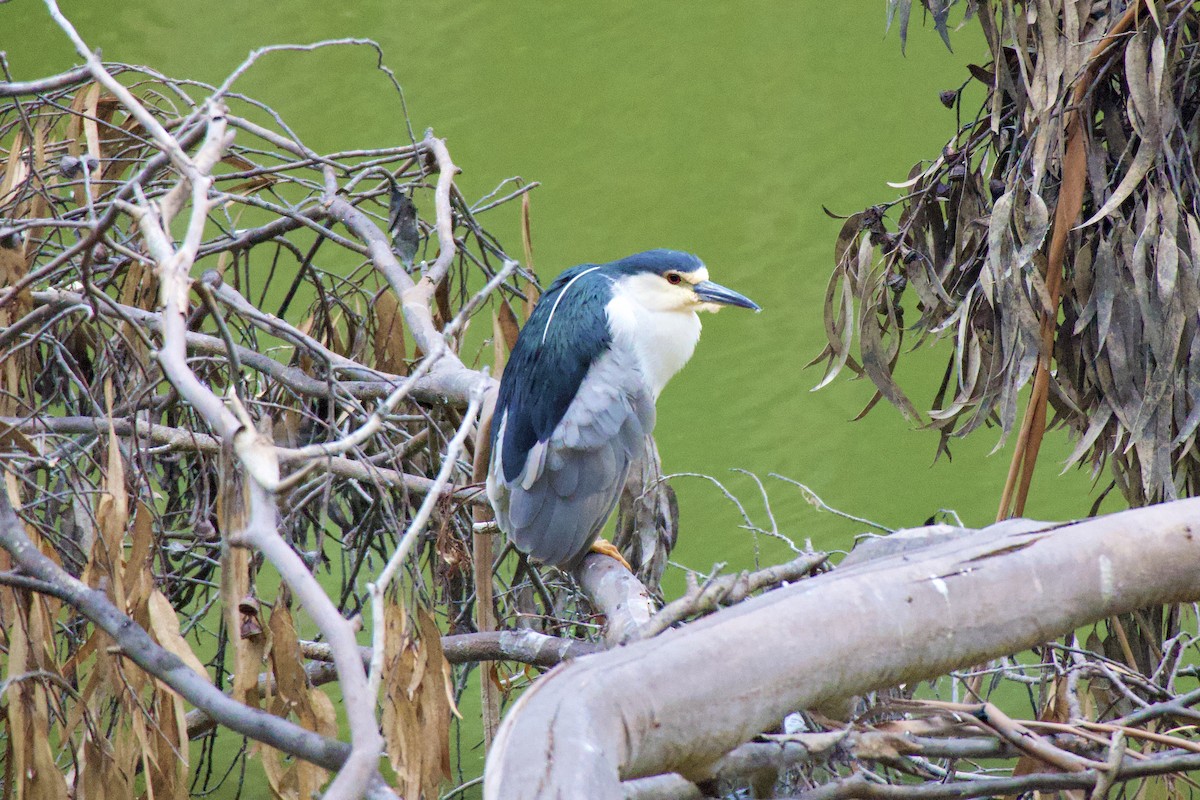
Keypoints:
pixel 1089 112
pixel 238 375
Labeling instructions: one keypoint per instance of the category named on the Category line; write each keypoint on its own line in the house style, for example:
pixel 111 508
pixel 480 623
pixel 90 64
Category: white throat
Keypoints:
pixel 662 339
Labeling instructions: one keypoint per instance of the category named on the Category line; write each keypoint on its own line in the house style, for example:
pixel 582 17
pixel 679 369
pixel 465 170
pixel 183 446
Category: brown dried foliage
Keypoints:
pixel 417 703
pixel 1055 238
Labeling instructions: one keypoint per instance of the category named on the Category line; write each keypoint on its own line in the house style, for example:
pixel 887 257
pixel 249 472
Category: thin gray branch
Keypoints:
pixel 138 647
pixel 50 84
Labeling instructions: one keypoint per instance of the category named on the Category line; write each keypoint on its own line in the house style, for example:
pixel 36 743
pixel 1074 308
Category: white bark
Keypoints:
pixel 617 594
pixel 678 702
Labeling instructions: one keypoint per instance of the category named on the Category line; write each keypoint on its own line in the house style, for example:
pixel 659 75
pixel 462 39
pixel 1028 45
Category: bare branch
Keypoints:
pixel 165 140
pixel 360 766
pixel 521 646
pixel 61 81
pixel 860 787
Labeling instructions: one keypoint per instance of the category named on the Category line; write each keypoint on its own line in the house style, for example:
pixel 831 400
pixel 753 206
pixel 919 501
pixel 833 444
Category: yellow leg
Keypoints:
pixel 607 548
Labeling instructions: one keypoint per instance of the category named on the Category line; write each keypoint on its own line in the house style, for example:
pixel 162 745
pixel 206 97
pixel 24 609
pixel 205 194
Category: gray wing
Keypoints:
pixel 559 503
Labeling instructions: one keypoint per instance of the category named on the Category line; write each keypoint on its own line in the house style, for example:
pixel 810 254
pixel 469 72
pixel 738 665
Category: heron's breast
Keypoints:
pixel 662 340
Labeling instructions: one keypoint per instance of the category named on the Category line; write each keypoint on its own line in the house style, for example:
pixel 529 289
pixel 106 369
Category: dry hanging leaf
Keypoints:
pixel 389 334
pixel 120 148
pixel 441 296
pixel 250 185
pixel 1080 103
pixel 31 760
pixel 11 438
pixel 398 719
pixel 164 624
pixel 324 721
pixel 287 664
pixel 138 564
pixel 83 135
pixel 499 353
pixel 236 585
pixel 98 774
pixel 168 769
pixel 417 703
pixel 297 779
pixel 15 170
pixel 508 324
pixel 112 517
pixel 39 205
pixel 526 232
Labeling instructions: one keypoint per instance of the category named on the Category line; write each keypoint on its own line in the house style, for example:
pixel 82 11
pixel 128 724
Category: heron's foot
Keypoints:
pixel 607 548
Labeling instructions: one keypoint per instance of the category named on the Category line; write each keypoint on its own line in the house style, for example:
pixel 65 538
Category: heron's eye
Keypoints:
pixel 673 278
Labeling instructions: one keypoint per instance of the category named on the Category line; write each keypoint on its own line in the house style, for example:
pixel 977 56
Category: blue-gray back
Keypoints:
pixel 541 378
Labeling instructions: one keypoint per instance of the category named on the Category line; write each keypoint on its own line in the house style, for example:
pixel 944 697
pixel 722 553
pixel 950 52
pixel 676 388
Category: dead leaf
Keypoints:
pixel 390 349
pixel 286 662
pixel 164 624
pixel 508 324
pixel 418 703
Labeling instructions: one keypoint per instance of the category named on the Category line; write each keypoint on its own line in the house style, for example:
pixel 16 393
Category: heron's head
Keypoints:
pixel 668 280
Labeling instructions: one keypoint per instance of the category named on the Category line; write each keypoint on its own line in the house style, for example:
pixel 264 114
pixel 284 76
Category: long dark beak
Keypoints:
pixel 711 292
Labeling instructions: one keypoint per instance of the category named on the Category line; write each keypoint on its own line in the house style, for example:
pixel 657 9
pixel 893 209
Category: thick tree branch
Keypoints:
pixel 903 619
pixel 616 593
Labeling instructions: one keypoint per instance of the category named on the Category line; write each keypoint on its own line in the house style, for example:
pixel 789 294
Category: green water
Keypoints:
pixel 716 128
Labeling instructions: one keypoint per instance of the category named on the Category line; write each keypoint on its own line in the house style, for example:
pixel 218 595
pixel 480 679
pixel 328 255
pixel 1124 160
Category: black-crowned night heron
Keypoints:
pixel 577 396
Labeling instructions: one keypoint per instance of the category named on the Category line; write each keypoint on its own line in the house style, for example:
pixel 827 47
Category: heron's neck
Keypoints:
pixel 662 340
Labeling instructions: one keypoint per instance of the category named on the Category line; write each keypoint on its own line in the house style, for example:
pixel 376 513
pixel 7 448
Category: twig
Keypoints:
pixel 860 787
pixel 1181 705
pixel 445 221
pixel 815 500
pixel 727 590
pixel 1017 734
